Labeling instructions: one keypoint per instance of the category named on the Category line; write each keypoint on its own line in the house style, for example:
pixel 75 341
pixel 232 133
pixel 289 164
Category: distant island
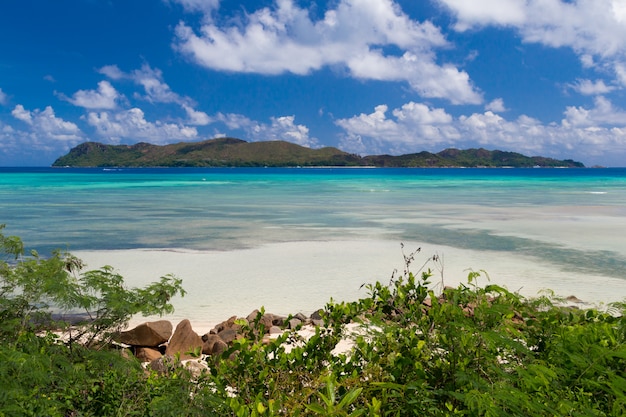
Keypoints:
pixel 231 152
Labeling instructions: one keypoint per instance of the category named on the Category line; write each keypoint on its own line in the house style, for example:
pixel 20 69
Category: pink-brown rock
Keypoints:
pixel 252 316
pixel 213 344
pixel 228 335
pixel 163 364
pixel 196 368
pixel 294 323
pixel 275 330
pixel 227 325
pixel 184 341
pixel 279 321
pixel 147 354
pixel 149 334
pixel 265 321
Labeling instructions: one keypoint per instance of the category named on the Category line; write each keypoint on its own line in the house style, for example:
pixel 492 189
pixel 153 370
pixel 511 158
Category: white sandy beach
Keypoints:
pixel 296 277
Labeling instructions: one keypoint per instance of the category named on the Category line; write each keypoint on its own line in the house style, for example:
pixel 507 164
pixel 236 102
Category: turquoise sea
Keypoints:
pixel 566 222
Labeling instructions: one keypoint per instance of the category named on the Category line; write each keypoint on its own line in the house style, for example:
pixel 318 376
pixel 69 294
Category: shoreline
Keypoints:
pixel 301 277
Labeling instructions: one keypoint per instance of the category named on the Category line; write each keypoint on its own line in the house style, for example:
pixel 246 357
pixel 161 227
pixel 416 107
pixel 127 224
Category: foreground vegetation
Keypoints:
pixel 231 152
pixel 471 350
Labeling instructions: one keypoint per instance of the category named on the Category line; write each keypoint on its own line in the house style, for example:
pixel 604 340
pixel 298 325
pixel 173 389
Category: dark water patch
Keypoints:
pixel 598 262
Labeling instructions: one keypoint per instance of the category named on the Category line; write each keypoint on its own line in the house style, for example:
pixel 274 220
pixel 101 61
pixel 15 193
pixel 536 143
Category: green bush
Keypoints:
pixel 471 351
pixel 37 293
pixel 81 374
pixel 474 351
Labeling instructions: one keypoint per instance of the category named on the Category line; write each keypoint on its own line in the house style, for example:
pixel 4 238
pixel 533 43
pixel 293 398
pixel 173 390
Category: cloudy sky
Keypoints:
pixel 539 77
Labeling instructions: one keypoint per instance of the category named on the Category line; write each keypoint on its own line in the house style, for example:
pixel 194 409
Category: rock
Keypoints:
pixel 293 323
pixel 252 316
pixel 196 369
pixel 148 334
pixel 275 330
pixel 147 354
pixel 228 324
pixel 266 320
pixel 300 317
pixel 163 364
pixel 213 344
pixel 317 315
pixel 469 311
pixel 574 299
pixel 316 322
pixel 279 321
pixel 126 353
pixel 183 341
pixel 228 335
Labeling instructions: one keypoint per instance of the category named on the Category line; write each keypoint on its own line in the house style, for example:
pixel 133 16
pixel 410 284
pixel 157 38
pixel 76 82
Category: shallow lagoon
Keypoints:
pixel 289 239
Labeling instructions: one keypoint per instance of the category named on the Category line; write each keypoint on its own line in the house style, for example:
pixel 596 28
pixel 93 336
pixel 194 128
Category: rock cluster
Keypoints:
pixel 157 343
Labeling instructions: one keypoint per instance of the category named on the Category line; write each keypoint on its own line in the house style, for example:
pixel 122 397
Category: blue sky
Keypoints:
pixel 539 77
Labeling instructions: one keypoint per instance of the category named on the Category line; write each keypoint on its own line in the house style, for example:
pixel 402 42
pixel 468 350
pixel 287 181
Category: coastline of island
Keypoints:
pixel 232 152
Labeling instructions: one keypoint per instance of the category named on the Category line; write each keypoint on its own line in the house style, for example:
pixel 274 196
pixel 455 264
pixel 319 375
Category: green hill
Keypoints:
pixel 468 158
pixel 231 152
pixel 223 152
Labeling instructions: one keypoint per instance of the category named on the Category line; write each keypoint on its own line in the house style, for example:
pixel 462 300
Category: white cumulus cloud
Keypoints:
pixel 20 113
pixel 132 125
pixel 353 35
pixel 602 114
pixel 584 133
pixel 47 123
pixel 484 12
pixel 42 131
pixel 279 128
pixel 496 106
pixel 206 6
pixel 154 86
pixel 113 72
pixel 413 127
pixel 591 88
pixel 593 29
pixel 151 79
pixel 620 71
pixel 157 90
pixel 3 98
pixel 41 139
pixel 105 97
pixel 195 117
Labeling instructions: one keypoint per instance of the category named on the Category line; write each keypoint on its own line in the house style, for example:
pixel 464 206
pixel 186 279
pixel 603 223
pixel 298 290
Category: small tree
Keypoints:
pixel 36 293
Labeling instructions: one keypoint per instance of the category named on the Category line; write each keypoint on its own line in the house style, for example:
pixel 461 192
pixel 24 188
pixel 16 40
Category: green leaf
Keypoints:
pixel 349 398
pixel 317 408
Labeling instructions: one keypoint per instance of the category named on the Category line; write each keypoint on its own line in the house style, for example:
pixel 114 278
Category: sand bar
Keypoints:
pixel 303 276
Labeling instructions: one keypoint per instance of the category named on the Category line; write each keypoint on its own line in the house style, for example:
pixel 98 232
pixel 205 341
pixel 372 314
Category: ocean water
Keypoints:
pixel 292 238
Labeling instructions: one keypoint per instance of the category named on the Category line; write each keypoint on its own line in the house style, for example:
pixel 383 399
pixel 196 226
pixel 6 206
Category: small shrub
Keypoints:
pixel 470 350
